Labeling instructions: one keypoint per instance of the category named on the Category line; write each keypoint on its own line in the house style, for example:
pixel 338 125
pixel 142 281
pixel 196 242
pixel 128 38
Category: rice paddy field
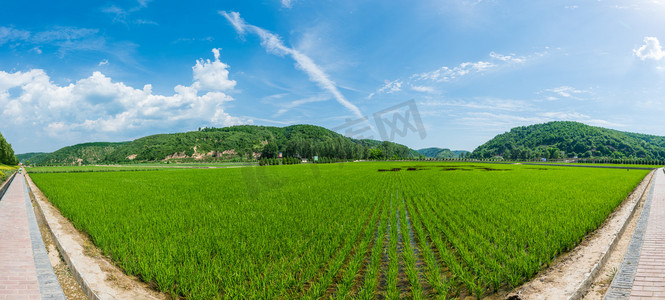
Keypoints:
pixel 133 167
pixel 354 230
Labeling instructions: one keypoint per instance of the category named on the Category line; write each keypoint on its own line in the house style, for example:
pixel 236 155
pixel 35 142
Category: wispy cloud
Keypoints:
pixel 446 74
pixel 491 121
pixel 507 58
pixel 287 3
pixel 144 3
pixel 293 104
pixel 10 34
pixel 192 40
pixel 423 88
pixel 422 82
pixel 389 87
pixel 565 92
pixel 651 49
pixel 124 15
pixel 274 44
pixel 481 104
pixel 56 34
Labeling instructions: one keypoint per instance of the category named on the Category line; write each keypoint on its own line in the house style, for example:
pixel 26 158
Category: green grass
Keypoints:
pixel 339 230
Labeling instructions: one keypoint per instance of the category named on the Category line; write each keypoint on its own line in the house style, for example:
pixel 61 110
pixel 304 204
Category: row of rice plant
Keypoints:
pixel 340 230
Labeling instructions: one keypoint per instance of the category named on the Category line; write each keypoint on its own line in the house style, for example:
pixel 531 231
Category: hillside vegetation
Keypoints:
pixel 87 153
pixel 230 143
pixel 25 158
pixel 561 139
pixel 7 156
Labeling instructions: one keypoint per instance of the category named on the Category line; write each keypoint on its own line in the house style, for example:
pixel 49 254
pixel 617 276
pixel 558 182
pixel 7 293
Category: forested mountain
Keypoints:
pixel 30 156
pixel 435 152
pixel 87 153
pixel 7 156
pixel 569 139
pixel 235 142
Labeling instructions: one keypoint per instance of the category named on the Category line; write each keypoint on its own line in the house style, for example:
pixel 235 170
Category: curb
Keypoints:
pixel 622 283
pixel 582 288
pixel 70 264
pixel 4 188
pixel 49 285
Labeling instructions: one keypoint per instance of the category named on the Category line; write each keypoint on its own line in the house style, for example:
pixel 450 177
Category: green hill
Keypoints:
pixel 569 139
pixel 30 157
pixel 435 152
pixel 235 142
pixel 87 153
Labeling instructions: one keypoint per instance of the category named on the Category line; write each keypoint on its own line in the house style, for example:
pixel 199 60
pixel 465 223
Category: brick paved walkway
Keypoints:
pixel 24 267
pixel 650 275
pixel 642 273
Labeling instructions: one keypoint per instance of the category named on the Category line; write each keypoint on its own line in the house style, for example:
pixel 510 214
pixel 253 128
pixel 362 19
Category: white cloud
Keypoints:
pixel 388 87
pixel 491 121
pixel 124 15
pixel 60 33
pixel 103 62
pixel 293 104
pixel 144 3
pixel 446 74
pixel 566 92
pixel 507 58
pixel 650 50
pixel 8 35
pixel 492 104
pixel 97 104
pixel 273 44
pixel 213 75
pixel 466 68
pixel 422 88
pixel 287 3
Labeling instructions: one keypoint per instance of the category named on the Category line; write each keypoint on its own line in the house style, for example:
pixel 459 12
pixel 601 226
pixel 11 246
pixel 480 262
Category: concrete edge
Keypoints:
pixel 49 286
pixel 621 284
pixel 582 288
pixel 70 264
pixel 6 184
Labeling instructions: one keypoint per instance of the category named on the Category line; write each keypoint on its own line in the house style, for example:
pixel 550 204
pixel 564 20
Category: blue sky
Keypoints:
pixel 84 71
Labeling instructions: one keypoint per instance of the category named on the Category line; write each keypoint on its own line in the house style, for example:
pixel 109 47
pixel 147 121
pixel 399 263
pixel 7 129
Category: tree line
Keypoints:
pixel 7 156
